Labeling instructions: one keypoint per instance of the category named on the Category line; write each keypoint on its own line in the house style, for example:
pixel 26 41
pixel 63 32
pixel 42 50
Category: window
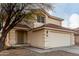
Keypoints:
pixel 40 19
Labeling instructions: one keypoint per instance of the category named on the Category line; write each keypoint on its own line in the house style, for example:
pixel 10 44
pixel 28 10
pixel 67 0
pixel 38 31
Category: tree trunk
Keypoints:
pixel 2 40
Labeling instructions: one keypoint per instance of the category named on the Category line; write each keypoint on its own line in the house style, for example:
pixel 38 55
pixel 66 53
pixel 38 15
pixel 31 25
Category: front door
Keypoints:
pixel 20 37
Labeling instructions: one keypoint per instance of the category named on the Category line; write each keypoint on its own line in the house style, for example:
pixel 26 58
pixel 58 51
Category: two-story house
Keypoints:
pixel 46 32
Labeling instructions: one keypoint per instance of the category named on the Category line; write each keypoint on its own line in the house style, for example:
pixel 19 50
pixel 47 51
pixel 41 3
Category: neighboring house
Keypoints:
pixel 44 32
pixel 76 36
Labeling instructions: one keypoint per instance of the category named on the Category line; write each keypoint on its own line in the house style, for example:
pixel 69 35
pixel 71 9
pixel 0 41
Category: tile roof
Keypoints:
pixel 46 25
pixel 22 26
pixel 50 16
pixel 56 26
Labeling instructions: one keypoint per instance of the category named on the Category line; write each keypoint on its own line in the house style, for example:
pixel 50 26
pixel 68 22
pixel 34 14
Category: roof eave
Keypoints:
pixel 59 29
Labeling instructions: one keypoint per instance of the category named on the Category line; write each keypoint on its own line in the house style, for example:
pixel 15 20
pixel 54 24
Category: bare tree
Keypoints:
pixel 12 13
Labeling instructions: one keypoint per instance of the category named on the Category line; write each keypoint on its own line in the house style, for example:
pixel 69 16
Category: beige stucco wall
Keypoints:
pixel 53 39
pixel 37 24
pixel 11 38
pixel 36 38
pixel 47 21
pixel 25 38
pixel 53 21
pixel 43 39
pixel 72 39
pixel 58 39
pixel 77 39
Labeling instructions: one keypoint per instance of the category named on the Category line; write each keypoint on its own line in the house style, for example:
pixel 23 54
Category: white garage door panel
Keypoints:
pixel 57 39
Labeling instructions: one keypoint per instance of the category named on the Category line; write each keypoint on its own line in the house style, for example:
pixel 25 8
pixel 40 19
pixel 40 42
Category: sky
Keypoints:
pixel 69 12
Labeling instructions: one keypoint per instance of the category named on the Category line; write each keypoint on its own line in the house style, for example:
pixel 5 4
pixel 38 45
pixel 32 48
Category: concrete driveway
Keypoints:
pixel 31 51
pixel 71 49
pixel 27 52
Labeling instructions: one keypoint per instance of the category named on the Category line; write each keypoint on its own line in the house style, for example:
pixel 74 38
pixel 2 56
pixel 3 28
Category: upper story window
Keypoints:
pixel 41 19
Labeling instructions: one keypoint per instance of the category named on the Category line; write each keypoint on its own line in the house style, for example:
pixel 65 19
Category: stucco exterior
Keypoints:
pixel 11 38
pixel 44 37
pixel 37 24
pixel 36 38
pixel 48 20
pixel 77 39
pixel 53 21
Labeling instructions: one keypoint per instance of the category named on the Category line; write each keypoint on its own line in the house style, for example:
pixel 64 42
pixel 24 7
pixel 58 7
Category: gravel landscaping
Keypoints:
pixel 27 52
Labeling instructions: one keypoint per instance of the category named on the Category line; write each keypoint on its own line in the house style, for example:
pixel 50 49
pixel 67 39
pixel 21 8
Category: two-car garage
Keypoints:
pixel 56 38
pixel 50 38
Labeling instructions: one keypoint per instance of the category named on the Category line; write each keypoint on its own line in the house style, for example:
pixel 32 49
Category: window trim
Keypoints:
pixel 41 19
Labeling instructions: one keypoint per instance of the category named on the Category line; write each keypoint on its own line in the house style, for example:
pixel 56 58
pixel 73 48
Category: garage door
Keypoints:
pixel 57 39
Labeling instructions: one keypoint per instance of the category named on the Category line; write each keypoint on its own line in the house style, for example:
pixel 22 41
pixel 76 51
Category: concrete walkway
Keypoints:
pixel 71 49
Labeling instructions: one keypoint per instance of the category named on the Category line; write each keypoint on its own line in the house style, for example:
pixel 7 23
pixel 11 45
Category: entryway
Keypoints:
pixel 21 37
